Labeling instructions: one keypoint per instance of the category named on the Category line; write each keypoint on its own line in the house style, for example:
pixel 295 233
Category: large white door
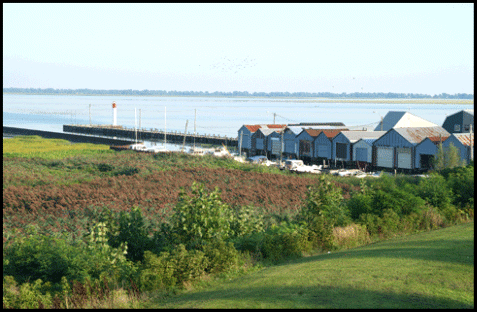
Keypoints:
pixel 385 156
pixel 404 158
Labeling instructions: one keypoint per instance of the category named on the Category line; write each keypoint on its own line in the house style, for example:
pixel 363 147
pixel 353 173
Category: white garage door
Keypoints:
pixel 404 158
pixel 322 150
pixel 361 154
pixel 385 157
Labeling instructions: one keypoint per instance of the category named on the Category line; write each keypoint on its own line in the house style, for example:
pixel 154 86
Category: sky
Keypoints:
pixel 402 48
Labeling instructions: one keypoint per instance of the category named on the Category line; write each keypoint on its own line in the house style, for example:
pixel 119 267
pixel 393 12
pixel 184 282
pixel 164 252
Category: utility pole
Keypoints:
pixel 139 123
pixel 240 144
pixel 281 148
pixel 135 124
pixel 274 114
pixel 471 141
pixel 165 127
pixel 90 114
pixel 185 135
pixel 195 119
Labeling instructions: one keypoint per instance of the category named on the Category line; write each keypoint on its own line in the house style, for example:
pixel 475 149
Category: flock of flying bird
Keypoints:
pixel 229 65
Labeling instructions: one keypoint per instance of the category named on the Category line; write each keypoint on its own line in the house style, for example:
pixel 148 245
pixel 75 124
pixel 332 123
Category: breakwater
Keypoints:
pixel 77 138
pixel 149 134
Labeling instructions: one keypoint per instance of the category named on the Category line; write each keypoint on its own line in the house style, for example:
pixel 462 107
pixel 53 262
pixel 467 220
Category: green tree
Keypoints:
pixel 447 158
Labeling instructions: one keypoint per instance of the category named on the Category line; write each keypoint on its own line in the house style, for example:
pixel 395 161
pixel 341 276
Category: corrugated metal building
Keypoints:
pixel 305 140
pixel 363 152
pixel 402 120
pixel 292 131
pixel 396 148
pixel 462 141
pixel 460 122
pixel 323 146
pixel 343 142
pixel 246 136
pixel 425 152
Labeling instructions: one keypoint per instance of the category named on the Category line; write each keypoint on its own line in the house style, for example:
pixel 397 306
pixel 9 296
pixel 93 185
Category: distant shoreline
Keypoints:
pixel 291 99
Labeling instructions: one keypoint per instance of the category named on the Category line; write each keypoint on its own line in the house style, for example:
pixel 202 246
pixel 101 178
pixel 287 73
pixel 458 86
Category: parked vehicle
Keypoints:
pixel 257 159
pixel 292 164
pixel 138 147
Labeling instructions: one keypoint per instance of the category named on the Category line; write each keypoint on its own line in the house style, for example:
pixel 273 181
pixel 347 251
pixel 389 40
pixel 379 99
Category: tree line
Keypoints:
pixel 367 95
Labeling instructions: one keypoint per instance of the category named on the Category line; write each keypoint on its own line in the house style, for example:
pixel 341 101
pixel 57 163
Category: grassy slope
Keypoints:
pixel 428 270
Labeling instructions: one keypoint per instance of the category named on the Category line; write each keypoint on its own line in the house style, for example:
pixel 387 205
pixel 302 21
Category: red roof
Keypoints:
pixel 437 139
pixel 276 126
pixel 253 128
pixel 332 133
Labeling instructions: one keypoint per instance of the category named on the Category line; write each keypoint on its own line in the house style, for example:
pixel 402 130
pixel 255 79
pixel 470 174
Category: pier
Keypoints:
pixel 149 134
pixel 13 131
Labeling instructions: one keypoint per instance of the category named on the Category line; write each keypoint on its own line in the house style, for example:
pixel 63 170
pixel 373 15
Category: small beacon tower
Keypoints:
pixel 115 114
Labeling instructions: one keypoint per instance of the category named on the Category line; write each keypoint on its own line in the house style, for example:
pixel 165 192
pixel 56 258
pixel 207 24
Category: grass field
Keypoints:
pixel 427 270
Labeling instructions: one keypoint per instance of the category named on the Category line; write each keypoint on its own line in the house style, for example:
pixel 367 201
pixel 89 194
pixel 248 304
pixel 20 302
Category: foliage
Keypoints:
pixel 288 240
pixel 447 158
pixel 247 219
pixel 221 256
pixel 323 210
pixel 36 146
pixel 27 295
pixel 201 217
pixel 435 191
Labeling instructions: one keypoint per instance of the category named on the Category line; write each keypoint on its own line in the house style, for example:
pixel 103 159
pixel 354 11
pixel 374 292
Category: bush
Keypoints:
pixel 201 217
pixel 27 295
pixel 221 256
pixel 351 236
pixel 323 210
pixel 248 219
pixel 157 272
pixel 287 240
pixel 435 191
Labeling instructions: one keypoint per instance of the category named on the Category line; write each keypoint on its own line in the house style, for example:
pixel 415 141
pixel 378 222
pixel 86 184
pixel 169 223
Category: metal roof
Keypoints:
pixel 369 141
pixel 415 135
pixel 267 132
pixel 333 124
pixel 464 138
pixel 401 120
pixel 355 135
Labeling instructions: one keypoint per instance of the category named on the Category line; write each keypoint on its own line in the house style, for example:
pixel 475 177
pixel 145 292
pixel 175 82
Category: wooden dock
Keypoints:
pixel 149 134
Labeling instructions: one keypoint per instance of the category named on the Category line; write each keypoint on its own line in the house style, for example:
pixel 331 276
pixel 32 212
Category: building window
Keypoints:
pixel 305 147
pixel 456 127
pixel 466 128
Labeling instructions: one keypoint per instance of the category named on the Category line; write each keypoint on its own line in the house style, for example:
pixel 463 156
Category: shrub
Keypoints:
pixel 287 240
pixel 248 219
pixel 221 256
pixel 25 296
pixel 323 210
pixel 201 217
pixel 157 272
pixel 353 235
pixel 435 191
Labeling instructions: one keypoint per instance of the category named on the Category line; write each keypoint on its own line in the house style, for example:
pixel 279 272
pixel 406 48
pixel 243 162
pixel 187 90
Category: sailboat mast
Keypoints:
pixel 165 127
pixel 135 125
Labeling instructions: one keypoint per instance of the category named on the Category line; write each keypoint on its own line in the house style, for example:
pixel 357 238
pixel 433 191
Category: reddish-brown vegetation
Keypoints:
pixel 158 191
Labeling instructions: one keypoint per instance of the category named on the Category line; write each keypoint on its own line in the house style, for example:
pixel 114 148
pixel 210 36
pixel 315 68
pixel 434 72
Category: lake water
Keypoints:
pixel 218 116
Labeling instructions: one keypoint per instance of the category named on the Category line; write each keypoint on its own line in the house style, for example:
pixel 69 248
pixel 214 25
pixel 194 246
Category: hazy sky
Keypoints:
pixel 410 48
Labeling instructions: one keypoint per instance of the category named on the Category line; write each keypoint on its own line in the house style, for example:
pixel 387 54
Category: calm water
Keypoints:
pixel 219 116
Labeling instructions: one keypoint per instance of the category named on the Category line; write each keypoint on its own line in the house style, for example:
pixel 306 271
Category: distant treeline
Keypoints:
pixel 374 95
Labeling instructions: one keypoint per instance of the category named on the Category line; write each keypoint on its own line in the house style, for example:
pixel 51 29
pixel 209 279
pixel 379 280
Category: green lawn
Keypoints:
pixel 428 270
